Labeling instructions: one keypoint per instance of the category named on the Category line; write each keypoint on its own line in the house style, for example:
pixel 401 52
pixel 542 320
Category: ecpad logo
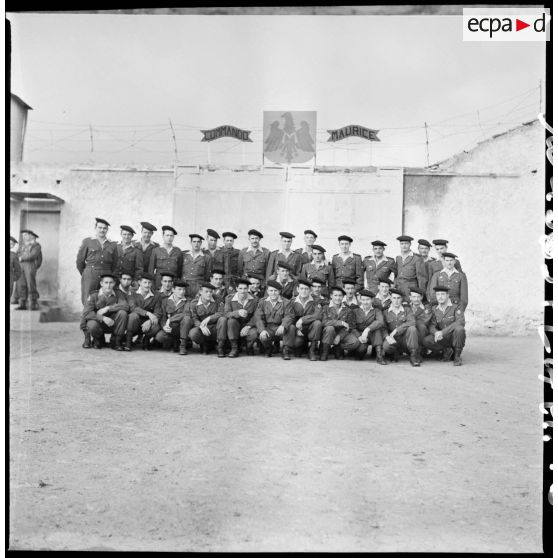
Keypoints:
pixel 486 25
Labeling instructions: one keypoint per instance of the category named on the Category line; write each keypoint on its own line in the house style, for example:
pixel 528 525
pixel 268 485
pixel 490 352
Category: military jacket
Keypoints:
pixel 31 254
pixel 231 263
pixel 350 268
pixel 332 316
pixel 129 260
pixel 352 304
pixel 233 305
pixel 309 313
pixel 305 256
pixel 96 256
pixel 253 262
pixel 310 271
pixel 321 300
pixel 374 271
pixel 146 252
pixel 294 260
pixel 161 261
pixel 273 315
pixel 195 269
pixel 173 311
pixel 437 265
pixel 116 300
pixel 216 258
pixel 422 313
pixel 457 284
pixel 412 269
pixel 151 303
pixel 288 289
pixel 372 320
pixel 446 320
pixel 199 312
pixel 220 294
pixel 401 320
pixel 383 304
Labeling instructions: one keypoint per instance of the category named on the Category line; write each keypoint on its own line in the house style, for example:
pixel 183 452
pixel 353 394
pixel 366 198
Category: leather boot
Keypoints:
pixel 234 349
pixel 128 345
pixel 22 305
pixel 249 349
pixel 313 350
pixel 117 345
pixel 360 353
pixel 182 348
pixel 267 347
pixel 146 343
pixel 324 354
pixel 457 359
pixel 34 305
pixel 395 356
pixel 448 353
pixel 286 353
pixel 98 343
pixel 175 345
pixel 86 340
pixel 414 359
pixel 221 349
pixel 380 357
pixel 338 352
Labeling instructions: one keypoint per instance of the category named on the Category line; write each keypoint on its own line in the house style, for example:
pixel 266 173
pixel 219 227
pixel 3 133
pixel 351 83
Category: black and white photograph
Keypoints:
pixel 277 279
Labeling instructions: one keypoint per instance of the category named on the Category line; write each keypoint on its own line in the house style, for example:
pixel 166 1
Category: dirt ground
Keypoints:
pixel 153 451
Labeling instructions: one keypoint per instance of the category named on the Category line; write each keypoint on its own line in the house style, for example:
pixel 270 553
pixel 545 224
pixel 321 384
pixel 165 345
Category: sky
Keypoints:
pixel 104 87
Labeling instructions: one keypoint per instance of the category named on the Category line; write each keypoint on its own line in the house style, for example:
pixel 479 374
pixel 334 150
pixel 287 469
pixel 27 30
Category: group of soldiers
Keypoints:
pixel 24 265
pixel 288 301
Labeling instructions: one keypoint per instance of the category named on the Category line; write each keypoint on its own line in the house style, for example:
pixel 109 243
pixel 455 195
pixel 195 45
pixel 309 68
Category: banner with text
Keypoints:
pixel 226 132
pixel 353 130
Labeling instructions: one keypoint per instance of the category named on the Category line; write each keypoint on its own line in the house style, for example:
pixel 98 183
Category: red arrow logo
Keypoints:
pixel 519 25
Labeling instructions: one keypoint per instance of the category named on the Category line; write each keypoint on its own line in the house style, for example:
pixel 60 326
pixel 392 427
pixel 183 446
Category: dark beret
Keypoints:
pixel 405 238
pixel 29 231
pixel 166 274
pixel 397 292
pixel 441 288
pixel 348 281
pixel 304 282
pixel 254 232
pixel 284 265
pixel 213 233
pixel 386 280
pixel 196 235
pixel 104 221
pixel 147 276
pixel 231 234
pixel 242 281
pixel 207 286
pixel 318 280
pixel 255 276
pixel 319 248
pixel 366 292
pixel 168 228
pixel 440 242
pixel 127 228
pixel 217 270
pixel 344 237
pixel 13 239
pixel 310 231
pixel 416 290
pixel 378 243
pixel 424 242
pixel 107 274
pixel 148 226
pixel 336 288
pixel 274 284
pixel 449 255
pixel 180 283
pixel 124 272
pixel 287 234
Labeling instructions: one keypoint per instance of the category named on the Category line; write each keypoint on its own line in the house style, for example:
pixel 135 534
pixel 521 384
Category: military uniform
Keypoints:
pixel 139 307
pixel 310 314
pixel 321 300
pixel 195 270
pixel 253 261
pixel 411 272
pixel 332 317
pixel 375 269
pixel 423 314
pixel 457 284
pixel 288 289
pixel 230 325
pixel 129 259
pixel 15 271
pixel 93 323
pixel 231 266
pixel 268 317
pixel 293 259
pixel 177 314
pixel 353 303
pixel 373 322
pixel 407 336
pixel 305 255
pixel 437 265
pixel 216 258
pixel 146 252
pixel 324 272
pixel 451 322
pixel 199 312
pixel 92 261
pixel 31 259
pixel 383 303
pixel 220 294
pixel 165 260
pixel 348 268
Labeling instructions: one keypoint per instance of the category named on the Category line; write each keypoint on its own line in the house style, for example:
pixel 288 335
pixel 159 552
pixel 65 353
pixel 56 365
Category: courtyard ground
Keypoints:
pixel 154 451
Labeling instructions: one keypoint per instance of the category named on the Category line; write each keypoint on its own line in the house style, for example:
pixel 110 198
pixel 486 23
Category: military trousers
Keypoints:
pixel 90 281
pixel 373 338
pixel 179 330
pixel 135 323
pixel 404 285
pixel 198 336
pixel 310 332
pixel 455 339
pixel 273 336
pixel 98 329
pixel 404 342
pixel 422 332
pixel 347 339
pixel 229 328
pixel 27 282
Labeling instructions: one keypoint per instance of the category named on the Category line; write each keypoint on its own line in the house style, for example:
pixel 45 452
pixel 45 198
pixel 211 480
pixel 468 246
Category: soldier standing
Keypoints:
pixel 129 258
pixel 166 258
pixel 378 266
pixel 411 271
pixel 214 252
pixel 230 261
pixel 437 263
pixel 195 266
pixel 456 281
pixel 447 328
pixel 285 255
pixel 424 251
pixel 15 268
pixel 346 264
pixel 145 244
pixel 306 253
pixel 254 258
pixel 318 267
pixel 31 257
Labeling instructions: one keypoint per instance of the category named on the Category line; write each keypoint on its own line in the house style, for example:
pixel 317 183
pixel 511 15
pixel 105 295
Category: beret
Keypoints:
pixel 416 290
pixel 148 226
pixel 396 292
pixel 242 281
pixel 28 231
pixel 336 288
pixel 318 280
pixel 254 232
pixel 213 233
pixel 124 272
pixel 405 238
pixel 424 242
pixel 304 282
pixel 168 228
pixel 287 234
pixel 386 280
pixel 366 292
pixel 231 234
pixel 344 237
pixel 166 274
pixel 284 265
pixel 449 255
pixel 196 235
pixel 274 284
pixel 127 228
pixel 217 270
pixel 348 281
pixel 310 231
pixel 439 242
pixel 104 221
pixel 319 248
pixel 147 276
pixel 180 284
pixel 441 288
pixel 378 243
pixel 108 274
pixel 207 286
pixel 255 276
